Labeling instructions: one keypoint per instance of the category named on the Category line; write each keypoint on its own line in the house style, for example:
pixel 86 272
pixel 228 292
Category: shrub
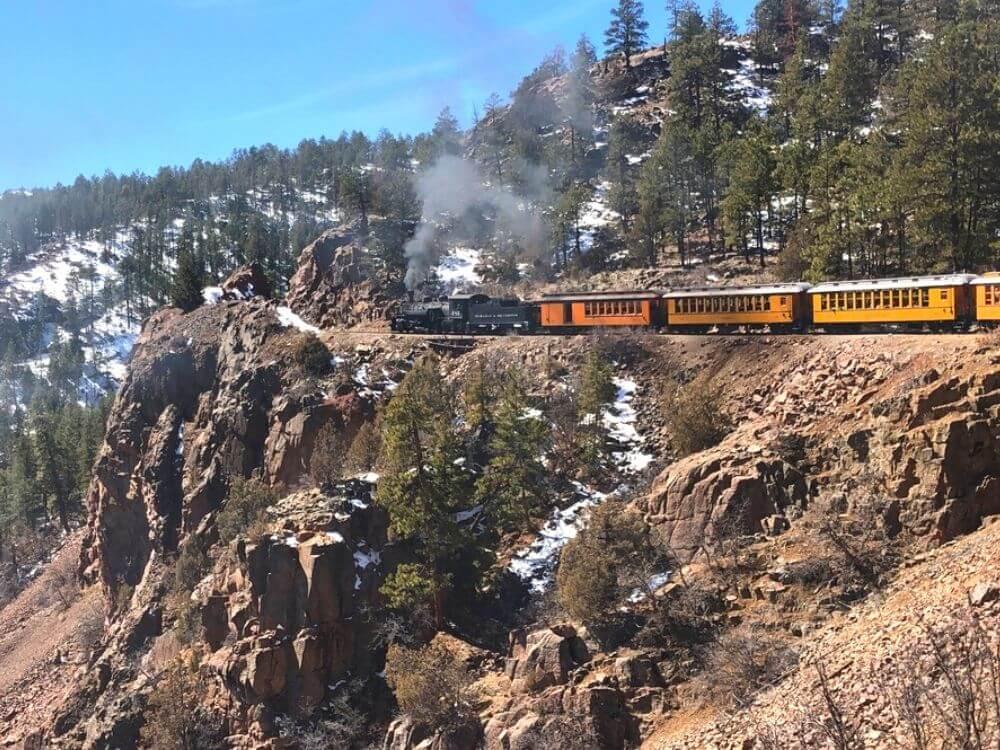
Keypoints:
pixel 311 355
pixel 597 386
pixel 338 722
pixel 411 586
pixel 244 507
pixel 90 629
pixel 561 730
pixel 63 581
pixel 613 558
pixel 586 584
pixel 175 718
pixel 686 620
pixel 431 684
pixel 192 564
pixel 363 454
pixel 694 417
pixel 742 661
pixel 326 464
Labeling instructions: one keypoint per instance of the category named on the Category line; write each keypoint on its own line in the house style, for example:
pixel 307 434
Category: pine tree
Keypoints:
pixel 188 282
pixel 513 488
pixel 447 135
pixel 626 35
pixel 950 157
pixel 580 97
pixel 570 211
pixel 597 388
pixel 423 480
pixel 752 184
pixel 667 191
pixel 622 196
pixel 494 135
pixel 849 84
pixel 357 194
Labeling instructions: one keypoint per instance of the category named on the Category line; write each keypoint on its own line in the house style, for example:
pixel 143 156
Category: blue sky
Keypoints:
pixel 134 84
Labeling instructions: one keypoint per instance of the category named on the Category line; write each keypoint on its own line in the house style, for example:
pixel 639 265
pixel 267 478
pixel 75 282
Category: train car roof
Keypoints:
pixel 591 296
pixel 904 282
pixel 736 291
pixel 468 295
pixel 993 277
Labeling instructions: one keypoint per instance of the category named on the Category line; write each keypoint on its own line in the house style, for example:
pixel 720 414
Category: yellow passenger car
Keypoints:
pixel 913 300
pixel 987 296
pixel 779 304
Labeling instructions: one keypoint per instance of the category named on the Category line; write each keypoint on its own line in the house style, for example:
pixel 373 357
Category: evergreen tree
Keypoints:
pixel 570 212
pixel 423 482
pixel 513 488
pixel 580 98
pixel 849 85
pixel 494 135
pixel 950 156
pixel 626 35
pixel 752 184
pixel 188 282
pixel 357 193
pixel 622 196
pixel 447 135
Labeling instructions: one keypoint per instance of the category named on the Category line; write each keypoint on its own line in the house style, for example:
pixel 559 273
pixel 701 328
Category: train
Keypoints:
pixel 950 302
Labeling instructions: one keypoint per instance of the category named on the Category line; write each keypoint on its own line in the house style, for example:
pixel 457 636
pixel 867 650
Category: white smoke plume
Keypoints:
pixel 454 194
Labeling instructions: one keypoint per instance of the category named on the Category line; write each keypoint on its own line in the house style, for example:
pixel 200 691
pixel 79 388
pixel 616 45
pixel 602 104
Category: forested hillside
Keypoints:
pixel 824 142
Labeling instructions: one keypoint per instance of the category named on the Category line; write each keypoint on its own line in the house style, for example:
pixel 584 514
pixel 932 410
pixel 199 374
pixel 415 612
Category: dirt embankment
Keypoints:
pixel 46 634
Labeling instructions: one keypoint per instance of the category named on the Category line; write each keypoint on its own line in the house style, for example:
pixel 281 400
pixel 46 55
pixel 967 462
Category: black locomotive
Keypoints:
pixel 466 313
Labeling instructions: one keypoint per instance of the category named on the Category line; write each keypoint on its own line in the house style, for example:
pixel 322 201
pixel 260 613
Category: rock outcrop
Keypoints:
pixel 291 601
pixel 211 396
pixel 725 490
pixel 338 283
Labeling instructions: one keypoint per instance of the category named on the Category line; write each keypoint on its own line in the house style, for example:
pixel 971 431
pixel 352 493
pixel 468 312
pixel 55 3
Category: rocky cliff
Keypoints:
pixel 287 619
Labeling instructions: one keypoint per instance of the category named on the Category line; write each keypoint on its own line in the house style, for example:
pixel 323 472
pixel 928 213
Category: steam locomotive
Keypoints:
pixel 466 313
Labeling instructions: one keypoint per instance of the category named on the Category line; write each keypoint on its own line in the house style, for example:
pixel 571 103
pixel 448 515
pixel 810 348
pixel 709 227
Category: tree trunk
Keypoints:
pixel 760 236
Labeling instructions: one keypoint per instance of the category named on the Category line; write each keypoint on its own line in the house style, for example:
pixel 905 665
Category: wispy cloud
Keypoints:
pixel 366 82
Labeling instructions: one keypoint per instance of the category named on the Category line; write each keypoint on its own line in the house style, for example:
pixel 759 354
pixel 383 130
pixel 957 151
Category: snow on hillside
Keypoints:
pixel 82 271
pixel 596 214
pixel 457 269
pixel 85 271
pixel 536 563
pixel 58 271
pixel 748 82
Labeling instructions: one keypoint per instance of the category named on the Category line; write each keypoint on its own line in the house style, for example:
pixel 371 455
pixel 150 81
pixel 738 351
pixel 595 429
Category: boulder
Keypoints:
pixel 544 658
pixel 983 593
pixel 266 669
pixel 405 734
pixel 246 282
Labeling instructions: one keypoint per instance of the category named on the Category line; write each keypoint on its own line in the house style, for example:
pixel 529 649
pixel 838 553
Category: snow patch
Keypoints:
pixel 536 563
pixel 290 320
pixel 458 267
pixel 619 420
pixel 212 295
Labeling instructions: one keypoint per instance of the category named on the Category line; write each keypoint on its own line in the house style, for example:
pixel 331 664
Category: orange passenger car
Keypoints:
pixel 987 296
pixel 600 310
pixel 778 304
pixel 913 300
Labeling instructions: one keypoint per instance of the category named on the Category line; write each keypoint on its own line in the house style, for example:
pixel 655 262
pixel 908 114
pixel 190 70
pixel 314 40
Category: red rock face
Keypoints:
pixel 337 284
pixel 211 396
